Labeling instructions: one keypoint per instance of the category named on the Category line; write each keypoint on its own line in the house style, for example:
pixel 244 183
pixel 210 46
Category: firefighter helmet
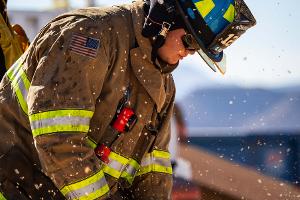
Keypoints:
pixel 213 24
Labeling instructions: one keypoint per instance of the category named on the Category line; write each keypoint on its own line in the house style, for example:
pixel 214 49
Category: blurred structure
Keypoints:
pixel 91 3
pixel 33 21
pixel 276 155
pixel 61 4
pixel 178 130
pixel 199 175
pixel 183 187
pixel 258 128
pixel 180 124
pixel 223 180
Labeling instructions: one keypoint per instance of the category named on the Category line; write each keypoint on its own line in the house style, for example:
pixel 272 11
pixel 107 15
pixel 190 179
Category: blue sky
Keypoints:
pixel 266 56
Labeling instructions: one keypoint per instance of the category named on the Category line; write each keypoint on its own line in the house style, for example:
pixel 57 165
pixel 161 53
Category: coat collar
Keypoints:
pixel 147 74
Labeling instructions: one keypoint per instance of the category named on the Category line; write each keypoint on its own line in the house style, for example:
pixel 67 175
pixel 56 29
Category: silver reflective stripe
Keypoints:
pixel 76 194
pixel 13 70
pixel 155 160
pixel 60 121
pixel 146 161
pixel 20 83
pixel 161 161
pixel 152 159
pixel 130 170
pixel 23 88
pixel 116 165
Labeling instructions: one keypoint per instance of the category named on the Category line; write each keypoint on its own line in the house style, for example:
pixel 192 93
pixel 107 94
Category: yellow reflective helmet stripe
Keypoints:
pixel 92 187
pixel 2 196
pixel 60 121
pixel 20 83
pixel 230 13
pixel 204 7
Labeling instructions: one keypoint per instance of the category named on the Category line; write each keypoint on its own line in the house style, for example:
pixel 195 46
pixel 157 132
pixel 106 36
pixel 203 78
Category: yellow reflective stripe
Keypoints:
pixel 154 168
pixel 111 171
pixel 19 94
pixel 128 177
pixel 60 128
pixel 2 196
pixel 98 193
pixel 116 165
pixel 156 161
pixel 13 70
pixel 92 187
pixel 118 158
pixel 204 7
pixel 120 166
pixel 130 171
pixel 91 143
pixel 230 13
pixel 161 154
pixel 162 169
pixel 61 113
pixel 60 121
pixel 20 83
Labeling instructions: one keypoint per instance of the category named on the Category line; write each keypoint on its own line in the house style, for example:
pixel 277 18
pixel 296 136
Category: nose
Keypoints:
pixel 183 52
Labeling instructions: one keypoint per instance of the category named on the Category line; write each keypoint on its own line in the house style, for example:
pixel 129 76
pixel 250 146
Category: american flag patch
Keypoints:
pixel 85 46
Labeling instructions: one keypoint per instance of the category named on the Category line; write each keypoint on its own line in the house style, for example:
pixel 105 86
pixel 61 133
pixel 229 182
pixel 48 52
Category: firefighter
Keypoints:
pixel 86 109
pixel 13 40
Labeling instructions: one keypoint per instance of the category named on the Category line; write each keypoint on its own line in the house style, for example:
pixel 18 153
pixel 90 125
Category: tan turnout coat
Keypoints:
pixel 58 99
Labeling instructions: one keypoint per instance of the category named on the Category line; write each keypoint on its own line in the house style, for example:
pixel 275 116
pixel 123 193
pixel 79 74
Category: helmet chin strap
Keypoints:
pixel 161 18
pixel 159 40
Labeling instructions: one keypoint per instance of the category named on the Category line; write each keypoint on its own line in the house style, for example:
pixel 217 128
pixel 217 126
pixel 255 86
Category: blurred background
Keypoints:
pixel 251 115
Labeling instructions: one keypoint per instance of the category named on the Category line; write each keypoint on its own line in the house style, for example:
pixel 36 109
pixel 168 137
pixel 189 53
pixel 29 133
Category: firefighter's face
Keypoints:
pixel 173 49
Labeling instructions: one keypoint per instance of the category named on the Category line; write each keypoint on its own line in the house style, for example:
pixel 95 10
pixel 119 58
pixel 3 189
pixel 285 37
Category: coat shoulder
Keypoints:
pixel 98 15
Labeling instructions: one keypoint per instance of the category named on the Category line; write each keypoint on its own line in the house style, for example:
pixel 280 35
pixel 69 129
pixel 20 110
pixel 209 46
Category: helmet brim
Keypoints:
pixel 214 65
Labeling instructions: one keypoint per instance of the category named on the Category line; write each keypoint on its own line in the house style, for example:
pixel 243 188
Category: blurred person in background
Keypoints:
pixel 179 137
pixel 13 40
pixel 86 109
pixel 183 187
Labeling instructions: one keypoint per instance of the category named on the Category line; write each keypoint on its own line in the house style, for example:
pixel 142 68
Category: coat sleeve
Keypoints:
pixel 154 178
pixel 71 63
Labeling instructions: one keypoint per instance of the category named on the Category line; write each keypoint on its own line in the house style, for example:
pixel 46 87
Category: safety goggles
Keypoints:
pixel 191 44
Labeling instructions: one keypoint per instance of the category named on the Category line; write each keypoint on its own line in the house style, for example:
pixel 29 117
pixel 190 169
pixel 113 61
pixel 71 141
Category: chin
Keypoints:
pixel 173 61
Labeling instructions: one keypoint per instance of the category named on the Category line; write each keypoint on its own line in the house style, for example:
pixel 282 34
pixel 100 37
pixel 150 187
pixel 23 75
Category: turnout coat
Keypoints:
pixel 60 97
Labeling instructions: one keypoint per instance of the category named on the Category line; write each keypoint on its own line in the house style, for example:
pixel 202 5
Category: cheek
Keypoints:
pixel 168 55
pixel 171 47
